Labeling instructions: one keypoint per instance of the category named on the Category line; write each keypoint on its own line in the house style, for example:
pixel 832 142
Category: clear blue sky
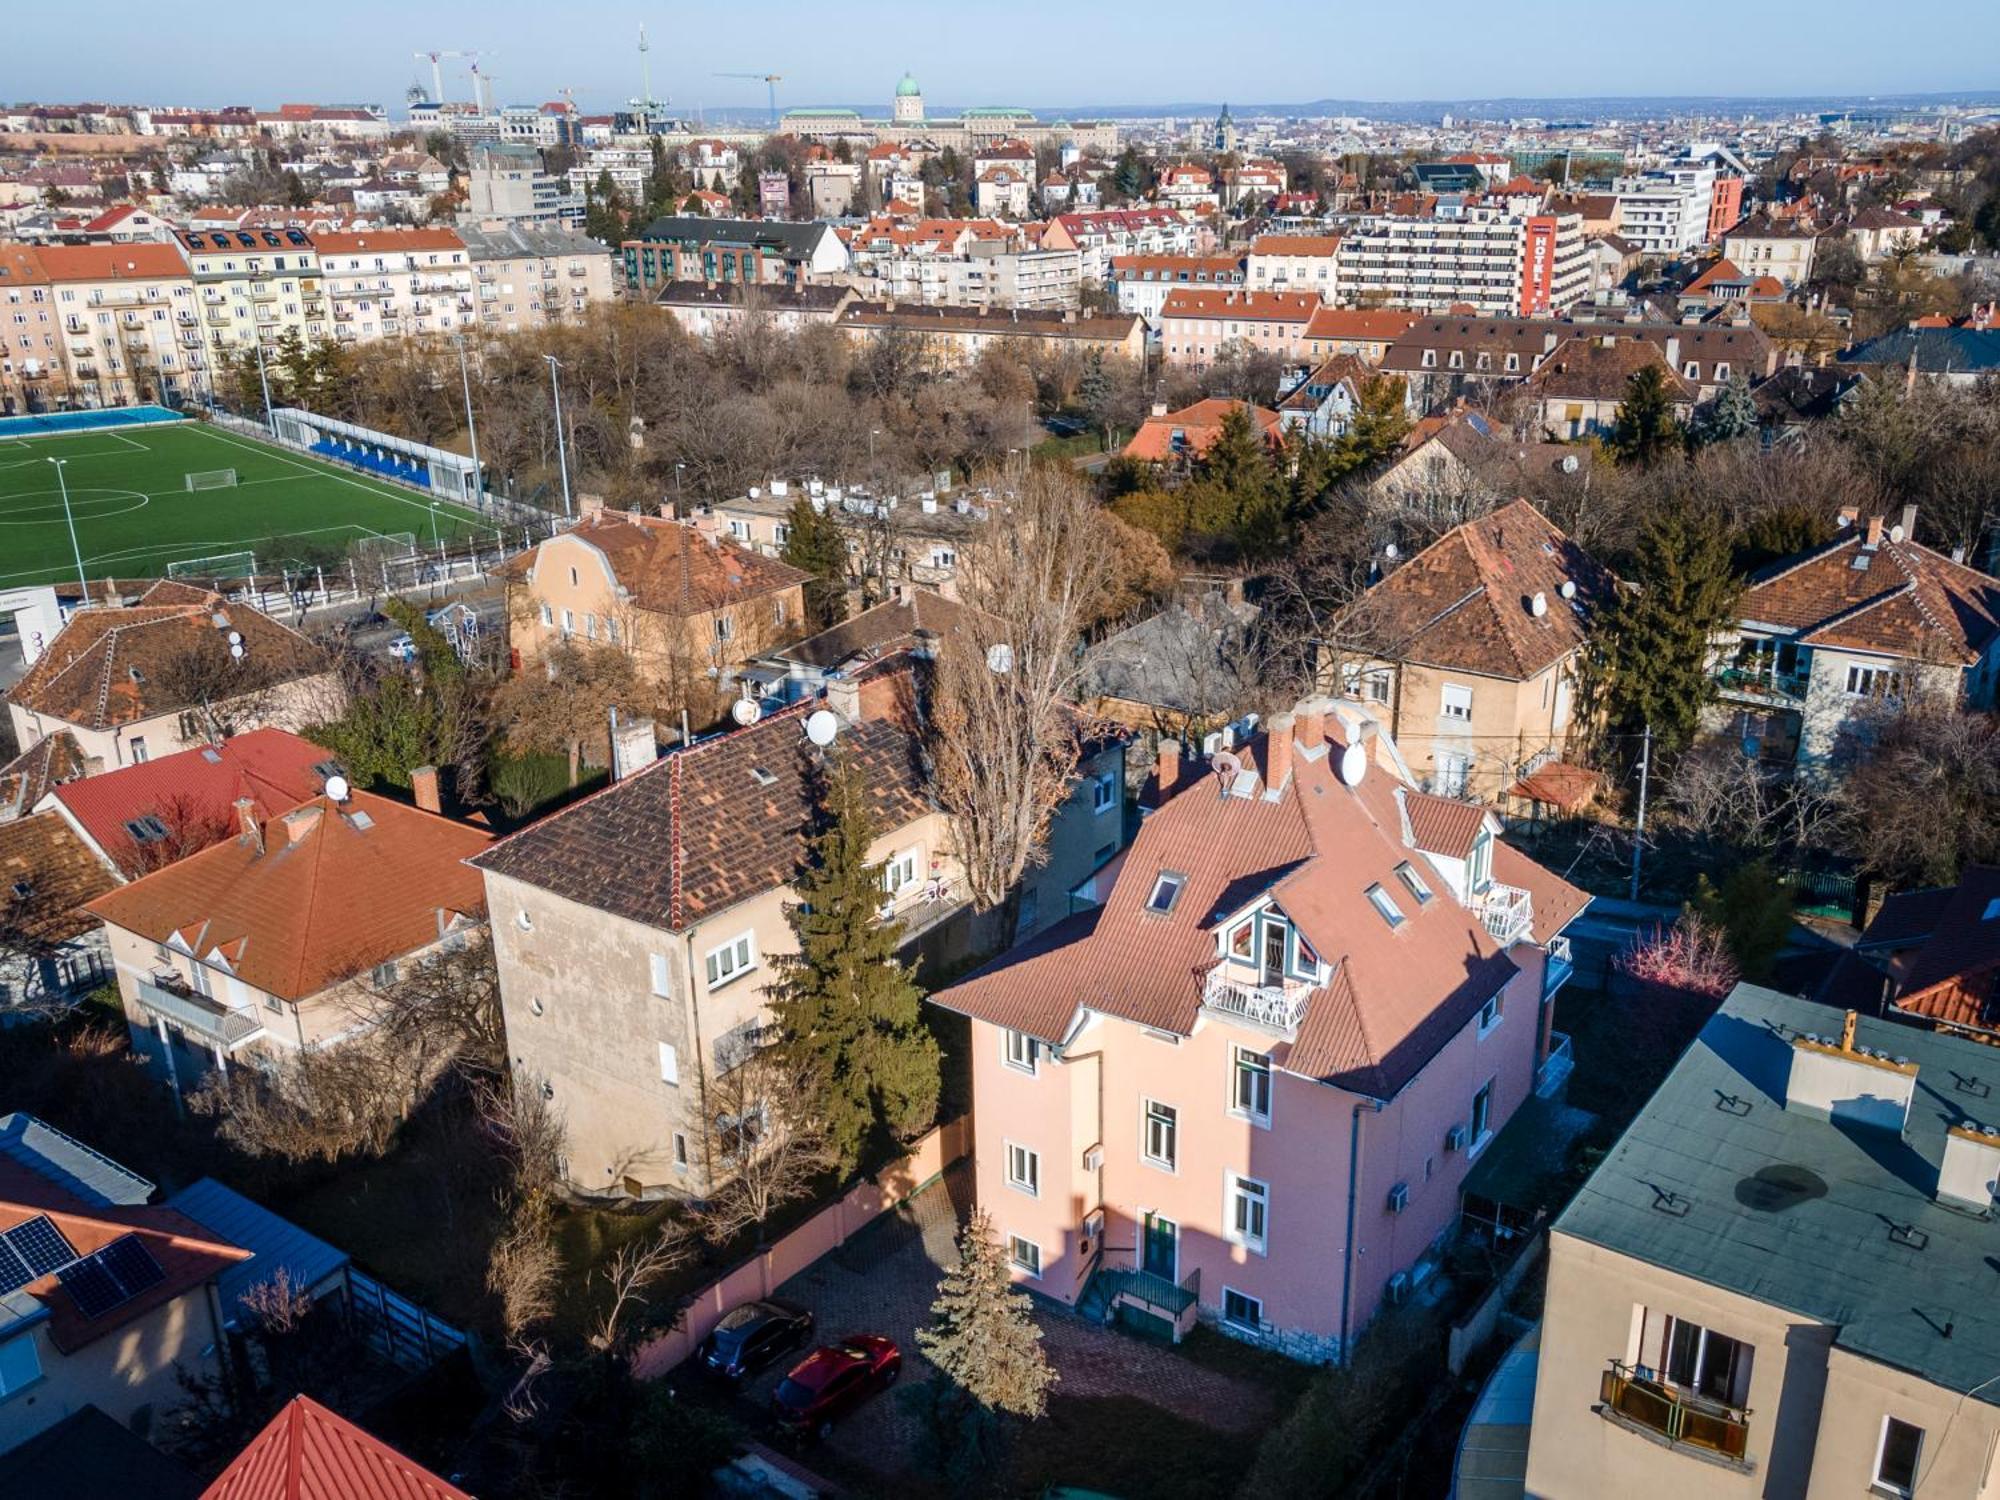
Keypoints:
pixel 1038 53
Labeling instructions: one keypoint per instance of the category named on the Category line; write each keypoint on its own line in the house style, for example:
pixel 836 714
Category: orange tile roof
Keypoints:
pixel 1295 244
pixel 1215 267
pixel 1198 426
pixel 111 262
pixel 670 566
pixel 306 1452
pixel 1369 324
pixel 19 266
pixel 336 889
pixel 388 239
pixel 1243 306
pixel 1908 602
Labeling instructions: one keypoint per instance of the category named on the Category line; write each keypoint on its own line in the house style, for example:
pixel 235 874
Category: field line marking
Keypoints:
pixel 329 473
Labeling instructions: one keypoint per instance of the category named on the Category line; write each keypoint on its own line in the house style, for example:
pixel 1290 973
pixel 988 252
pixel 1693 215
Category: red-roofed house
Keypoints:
pixel 1197 326
pixel 1247 1088
pixel 306 1452
pixel 124 310
pixel 1931 956
pixel 1183 436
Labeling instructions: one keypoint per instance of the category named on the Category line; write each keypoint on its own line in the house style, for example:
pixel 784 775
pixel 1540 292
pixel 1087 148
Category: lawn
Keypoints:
pixel 134 513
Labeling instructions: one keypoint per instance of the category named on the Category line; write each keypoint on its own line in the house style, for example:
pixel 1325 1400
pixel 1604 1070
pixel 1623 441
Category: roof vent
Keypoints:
pixel 1849 1083
pixel 1970 1171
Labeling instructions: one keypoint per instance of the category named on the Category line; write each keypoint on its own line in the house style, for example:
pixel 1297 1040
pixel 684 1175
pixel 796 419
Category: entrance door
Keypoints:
pixel 1274 954
pixel 1163 1238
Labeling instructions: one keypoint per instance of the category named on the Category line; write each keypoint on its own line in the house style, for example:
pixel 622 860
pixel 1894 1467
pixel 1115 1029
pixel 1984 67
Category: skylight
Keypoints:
pixel 1413 882
pixel 1383 902
pixel 1992 910
pixel 1166 891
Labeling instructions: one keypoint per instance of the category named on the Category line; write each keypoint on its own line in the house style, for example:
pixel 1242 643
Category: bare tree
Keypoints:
pixel 563 702
pixel 1005 733
pixel 443 1007
pixel 631 1273
pixel 320 1104
pixel 524 1270
pixel 1690 956
pixel 768 1140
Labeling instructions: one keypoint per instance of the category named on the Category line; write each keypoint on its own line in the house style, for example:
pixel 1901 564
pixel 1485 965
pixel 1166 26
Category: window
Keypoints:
pixel 568 622
pixel 590 627
pixel 1020 1050
pixel 670 1064
pixel 1384 903
pixel 1024 1170
pixel 1489 1015
pixel 1413 882
pixel 1479 869
pixel 732 959
pixel 1104 792
pixel 20 1365
pixel 1024 1255
pixel 1241 1310
pixel 1251 1089
pixel 572 578
pixel 1241 941
pixel 900 872
pixel 1482 1114
pixel 1456 702
pixel 1162 1132
pixel 1249 1208
pixel 1896 1455
pixel 1166 891
pixel 1862 682
pixel 724 627
pixel 384 974
pixel 1694 1358
pixel 146 830
pixel 680 1151
pixel 659 967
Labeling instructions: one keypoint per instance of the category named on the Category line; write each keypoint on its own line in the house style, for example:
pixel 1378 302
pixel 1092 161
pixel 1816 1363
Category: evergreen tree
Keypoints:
pixel 1654 639
pixel 1381 422
pixel 1752 911
pixel 988 1350
pixel 845 1007
pixel 1644 430
pixel 1239 489
pixel 814 545
pixel 1093 392
pixel 1731 415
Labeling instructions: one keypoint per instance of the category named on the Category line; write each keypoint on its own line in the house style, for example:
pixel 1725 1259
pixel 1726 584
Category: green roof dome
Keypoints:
pixel 908 89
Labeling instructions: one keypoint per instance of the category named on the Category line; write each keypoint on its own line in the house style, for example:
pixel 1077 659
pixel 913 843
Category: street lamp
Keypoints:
pixel 562 450
pixel 264 379
pixel 680 502
pixel 471 432
pixel 62 483
pixel 436 541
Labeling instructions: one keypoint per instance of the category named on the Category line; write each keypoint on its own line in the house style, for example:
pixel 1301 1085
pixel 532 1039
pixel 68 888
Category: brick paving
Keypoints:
pixel 890 1292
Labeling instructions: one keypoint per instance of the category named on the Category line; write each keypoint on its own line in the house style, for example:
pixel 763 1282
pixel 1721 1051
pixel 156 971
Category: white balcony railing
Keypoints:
pixel 1276 1007
pixel 1508 912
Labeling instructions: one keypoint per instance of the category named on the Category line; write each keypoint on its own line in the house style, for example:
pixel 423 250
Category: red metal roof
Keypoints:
pixel 309 1453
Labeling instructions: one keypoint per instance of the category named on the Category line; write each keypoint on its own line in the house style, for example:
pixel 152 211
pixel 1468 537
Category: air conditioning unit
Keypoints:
pixel 1093 1159
pixel 1399 1197
pixel 1399 1289
pixel 1454 1138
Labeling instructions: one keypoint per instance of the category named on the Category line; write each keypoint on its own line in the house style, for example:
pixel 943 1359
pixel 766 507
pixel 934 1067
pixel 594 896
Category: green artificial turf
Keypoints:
pixel 134 513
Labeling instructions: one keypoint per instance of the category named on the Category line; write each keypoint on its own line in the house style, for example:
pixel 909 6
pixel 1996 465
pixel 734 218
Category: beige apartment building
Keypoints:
pixel 31 362
pixel 1467 653
pixel 386 282
pixel 1778 1284
pixel 127 323
pixel 528 276
pixel 254 286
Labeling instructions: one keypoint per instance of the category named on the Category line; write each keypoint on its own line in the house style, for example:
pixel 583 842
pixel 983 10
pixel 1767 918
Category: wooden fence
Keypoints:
pixel 826 1231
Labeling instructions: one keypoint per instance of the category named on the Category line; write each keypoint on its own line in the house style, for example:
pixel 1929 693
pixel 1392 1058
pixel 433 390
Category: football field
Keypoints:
pixel 135 514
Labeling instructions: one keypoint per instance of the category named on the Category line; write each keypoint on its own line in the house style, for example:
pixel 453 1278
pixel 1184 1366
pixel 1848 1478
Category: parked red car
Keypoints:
pixel 833 1380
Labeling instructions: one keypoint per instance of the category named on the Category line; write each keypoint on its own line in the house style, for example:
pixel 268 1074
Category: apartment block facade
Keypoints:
pixel 389 282
pixel 127 322
pixel 1496 261
pixel 254 286
pixel 528 276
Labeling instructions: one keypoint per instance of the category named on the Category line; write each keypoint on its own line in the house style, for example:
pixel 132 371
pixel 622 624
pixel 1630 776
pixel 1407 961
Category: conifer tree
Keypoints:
pixel 845 1007
pixel 1655 637
pixel 1644 430
pixel 1731 415
pixel 982 1338
pixel 814 545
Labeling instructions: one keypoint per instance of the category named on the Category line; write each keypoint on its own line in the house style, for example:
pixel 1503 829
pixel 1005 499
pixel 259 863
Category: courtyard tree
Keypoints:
pixel 1644 430
pixel 814 545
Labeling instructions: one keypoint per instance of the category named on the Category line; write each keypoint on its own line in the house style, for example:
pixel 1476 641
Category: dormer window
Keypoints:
pixel 1167 887
pixel 1384 903
pixel 1241 941
pixel 1413 882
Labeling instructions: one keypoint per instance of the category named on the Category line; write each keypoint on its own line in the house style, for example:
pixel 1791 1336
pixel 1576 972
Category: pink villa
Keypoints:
pixel 1247 1088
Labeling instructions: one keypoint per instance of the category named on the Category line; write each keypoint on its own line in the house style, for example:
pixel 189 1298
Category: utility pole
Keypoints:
pixel 1639 830
pixel 562 449
pixel 264 380
pixel 471 432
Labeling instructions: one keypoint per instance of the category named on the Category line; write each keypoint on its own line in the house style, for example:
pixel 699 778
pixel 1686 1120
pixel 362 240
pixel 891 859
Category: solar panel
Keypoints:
pixel 94 1290
pixel 132 1263
pixel 39 1243
pixel 14 1273
pixel 111 1277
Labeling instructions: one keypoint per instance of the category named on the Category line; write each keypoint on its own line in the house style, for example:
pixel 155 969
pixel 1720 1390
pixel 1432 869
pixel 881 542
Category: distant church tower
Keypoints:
pixel 1225 132
pixel 909 107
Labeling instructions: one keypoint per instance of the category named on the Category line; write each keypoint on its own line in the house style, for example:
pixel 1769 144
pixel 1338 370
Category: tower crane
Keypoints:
pixel 437 73
pixel 770 82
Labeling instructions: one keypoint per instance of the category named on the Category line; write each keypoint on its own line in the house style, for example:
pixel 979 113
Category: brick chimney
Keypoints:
pixel 1874 536
pixel 1278 753
pixel 1169 770
pixel 843 696
pixel 301 821
pixel 424 788
pixel 1312 727
pixel 248 828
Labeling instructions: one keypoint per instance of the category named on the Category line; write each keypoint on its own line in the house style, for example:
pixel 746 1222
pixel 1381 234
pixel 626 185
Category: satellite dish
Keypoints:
pixel 237 651
pixel 1569 463
pixel 336 788
pixel 1353 765
pixel 746 711
pixel 235 637
pixel 1000 658
pixel 822 726
pixel 1227 764
pixel 1568 590
pixel 1389 551
pixel 1539 605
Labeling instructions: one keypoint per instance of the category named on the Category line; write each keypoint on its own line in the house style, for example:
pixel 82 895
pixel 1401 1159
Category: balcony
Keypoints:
pixel 1556 1067
pixel 1558 968
pixel 1763 685
pixel 1508 912
pixel 1272 1007
pixel 215 1023
pixel 1679 1418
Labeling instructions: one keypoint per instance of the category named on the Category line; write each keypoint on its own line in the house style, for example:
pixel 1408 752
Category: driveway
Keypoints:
pixel 884 1281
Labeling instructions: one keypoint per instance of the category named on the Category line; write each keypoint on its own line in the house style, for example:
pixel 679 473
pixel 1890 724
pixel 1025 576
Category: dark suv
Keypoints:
pixel 751 1336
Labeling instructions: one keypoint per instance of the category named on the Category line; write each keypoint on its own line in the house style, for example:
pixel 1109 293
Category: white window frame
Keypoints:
pixel 725 627
pixel 670 1064
pixel 1104 792
pixel 1880 1486
pixel 1170 1126
pixel 660 978
pixel 1233 1193
pixel 1873 682
pixel 1256 1302
pixel 742 949
pixel 1237 1072
pixel 1020 1051
pixel 899 871
pixel 1490 1015
pixel 1482 1130
pixel 1030 1180
pixel 1028 1265
pixel 1164 878
pixel 1414 882
pixel 1455 702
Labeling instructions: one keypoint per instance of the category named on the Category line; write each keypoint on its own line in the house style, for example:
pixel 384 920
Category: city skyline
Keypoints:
pixel 1116 57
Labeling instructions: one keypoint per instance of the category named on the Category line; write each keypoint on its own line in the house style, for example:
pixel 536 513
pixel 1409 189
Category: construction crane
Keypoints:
pixel 437 73
pixel 770 82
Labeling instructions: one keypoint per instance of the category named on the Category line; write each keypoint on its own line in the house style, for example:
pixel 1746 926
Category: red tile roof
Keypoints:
pixel 393 241
pixel 1909 601
pixel 672 567
pixel 1362 324
pixel 308 1453
pixel 111 262
pixel 1241 306
pixel 335 889
pixel 1953 976
pixel 1197 427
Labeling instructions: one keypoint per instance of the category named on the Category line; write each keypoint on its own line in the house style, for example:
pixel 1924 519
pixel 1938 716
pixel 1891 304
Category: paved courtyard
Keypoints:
pixel 884 1280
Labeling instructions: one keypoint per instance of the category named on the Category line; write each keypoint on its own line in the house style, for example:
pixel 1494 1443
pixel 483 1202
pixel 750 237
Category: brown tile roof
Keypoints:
pixel 1443 825
pixel 673 567
pixel 888 627
pixel 1466 601
pixel 1397 994
pixel 1295 244
pixel 1559 785
pixel 1351 368
pixel 1954 975
pixel 306 1452
pixel 703 828
pixel 1199 426
pixel 49 762
pixel 1592 369
pixel 1908 602
pixel 393 241
pixel 189 1253
pixel 335 889
pixel 46 874
pixel 105 667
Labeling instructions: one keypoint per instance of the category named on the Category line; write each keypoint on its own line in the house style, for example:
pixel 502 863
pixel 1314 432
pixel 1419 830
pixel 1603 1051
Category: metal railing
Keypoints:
pixel 1557 1066
pixel 1678 1416
pixel 1508 912
pixel 1763 685
pixel 1278 1007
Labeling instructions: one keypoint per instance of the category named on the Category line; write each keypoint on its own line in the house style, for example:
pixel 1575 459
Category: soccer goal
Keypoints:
pixel 212 479
pixel 220 565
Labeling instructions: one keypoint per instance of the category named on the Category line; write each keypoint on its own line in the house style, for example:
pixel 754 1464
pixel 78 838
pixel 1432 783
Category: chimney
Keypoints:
pixel 1909 524
pixel 1971 1165
pixel 248 828
pixel 633 747
pixel 1312 727
pixel 1278 753
pixel 1673 352
pixel 1848 515
pixel 1874 537
pixel 1169 770
pixel 424 787
pixel 301 821
pixel 1850 1083
pixel 843 696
